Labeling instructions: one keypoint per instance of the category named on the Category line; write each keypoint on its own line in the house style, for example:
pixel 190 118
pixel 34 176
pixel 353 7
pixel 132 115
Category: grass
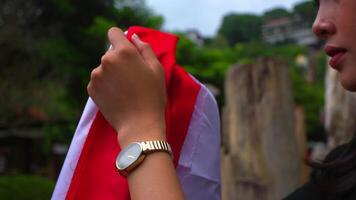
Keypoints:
pixel 25 187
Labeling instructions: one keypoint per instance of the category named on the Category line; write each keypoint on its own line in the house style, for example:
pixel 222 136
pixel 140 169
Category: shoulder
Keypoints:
pixel 306 192
pixel 338 152
pixel 310 190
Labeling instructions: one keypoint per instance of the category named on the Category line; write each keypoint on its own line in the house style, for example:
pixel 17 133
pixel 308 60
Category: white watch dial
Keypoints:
pixel 128 156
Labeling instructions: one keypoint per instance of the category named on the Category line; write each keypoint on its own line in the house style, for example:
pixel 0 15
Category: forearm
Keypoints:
pixel 155 178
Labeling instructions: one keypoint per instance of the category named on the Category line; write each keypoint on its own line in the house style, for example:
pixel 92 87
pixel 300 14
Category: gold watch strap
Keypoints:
pixel 156 145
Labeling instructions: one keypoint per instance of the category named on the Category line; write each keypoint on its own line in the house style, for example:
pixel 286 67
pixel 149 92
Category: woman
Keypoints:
pixel 335 178
pixel 137 112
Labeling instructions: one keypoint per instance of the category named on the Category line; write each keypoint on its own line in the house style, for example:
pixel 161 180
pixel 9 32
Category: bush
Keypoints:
pixel 25 187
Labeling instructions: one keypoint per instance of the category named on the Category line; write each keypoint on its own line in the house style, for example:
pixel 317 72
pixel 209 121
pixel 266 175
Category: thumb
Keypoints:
pixel 144 49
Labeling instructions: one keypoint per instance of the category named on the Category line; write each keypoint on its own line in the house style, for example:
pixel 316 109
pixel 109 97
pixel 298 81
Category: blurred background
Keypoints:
pixel 259 58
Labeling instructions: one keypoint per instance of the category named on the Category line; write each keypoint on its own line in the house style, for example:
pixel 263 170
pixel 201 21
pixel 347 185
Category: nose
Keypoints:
pixel 323 28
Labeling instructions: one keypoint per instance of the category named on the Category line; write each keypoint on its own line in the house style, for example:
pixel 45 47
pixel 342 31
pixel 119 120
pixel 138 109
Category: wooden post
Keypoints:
pixel 260 156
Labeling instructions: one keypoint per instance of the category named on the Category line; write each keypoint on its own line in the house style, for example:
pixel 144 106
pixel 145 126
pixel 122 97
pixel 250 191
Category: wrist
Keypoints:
pixel 138 133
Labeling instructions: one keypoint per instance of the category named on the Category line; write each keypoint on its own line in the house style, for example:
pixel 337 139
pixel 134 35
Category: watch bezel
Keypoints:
pixel 124 171
pixel 145 148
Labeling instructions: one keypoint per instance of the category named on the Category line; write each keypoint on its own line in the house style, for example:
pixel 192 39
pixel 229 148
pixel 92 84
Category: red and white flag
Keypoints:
pixel 193 130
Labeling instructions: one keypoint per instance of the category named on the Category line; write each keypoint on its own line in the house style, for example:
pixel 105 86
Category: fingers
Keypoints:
pixel 145 50
pixel 117 38
pixel 123 48
pixel 95 75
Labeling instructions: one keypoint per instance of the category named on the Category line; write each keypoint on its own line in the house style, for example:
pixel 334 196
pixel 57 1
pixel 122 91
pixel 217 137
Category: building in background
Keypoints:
pixel 195 37
pixel 289 30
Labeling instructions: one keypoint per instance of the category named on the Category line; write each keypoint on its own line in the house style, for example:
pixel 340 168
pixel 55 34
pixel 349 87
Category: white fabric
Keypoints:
pixel 70 163
pixel 199 163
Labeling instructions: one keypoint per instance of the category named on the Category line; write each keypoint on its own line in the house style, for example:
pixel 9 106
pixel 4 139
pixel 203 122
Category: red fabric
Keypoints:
pixel 95 176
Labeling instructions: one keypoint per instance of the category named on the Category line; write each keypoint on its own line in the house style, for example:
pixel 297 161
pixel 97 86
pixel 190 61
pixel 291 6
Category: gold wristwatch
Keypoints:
pixel 133 155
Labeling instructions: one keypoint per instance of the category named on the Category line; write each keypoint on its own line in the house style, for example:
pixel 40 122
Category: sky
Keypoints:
pixel 206 15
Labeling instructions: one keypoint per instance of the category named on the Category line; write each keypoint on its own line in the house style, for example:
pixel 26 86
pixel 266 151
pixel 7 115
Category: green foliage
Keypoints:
pixel 99 27
pixel 51 49
pixel 63 6
pixel 154 22
pixel 321 70
pixel 307 10
pixel 60 133
pixel 207 64
pixel 25 187
pixel 241 28
pixel 311 97
pixel 253 50
pixel 210 64
pixel 135 12
pixel 187 51
pixel 276 13
pixel 218 42
pixel 48 50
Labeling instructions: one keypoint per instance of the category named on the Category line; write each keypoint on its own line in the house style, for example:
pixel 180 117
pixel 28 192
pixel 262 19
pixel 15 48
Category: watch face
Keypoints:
pixel 128 156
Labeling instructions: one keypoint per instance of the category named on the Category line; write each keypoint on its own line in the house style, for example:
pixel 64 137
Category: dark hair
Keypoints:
pixel 337 173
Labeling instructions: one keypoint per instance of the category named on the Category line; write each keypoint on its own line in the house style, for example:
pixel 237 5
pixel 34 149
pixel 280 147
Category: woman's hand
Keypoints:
pixel 129 89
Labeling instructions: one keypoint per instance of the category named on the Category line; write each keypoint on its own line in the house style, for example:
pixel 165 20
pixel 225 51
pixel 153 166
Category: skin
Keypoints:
pixel 129 89
pixel 336 24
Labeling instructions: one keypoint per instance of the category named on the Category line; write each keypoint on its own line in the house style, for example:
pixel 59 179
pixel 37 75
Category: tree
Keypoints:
pixel 276 13
pixel 48 49
pixel 130 12
pixel 241 28
pixel 306 10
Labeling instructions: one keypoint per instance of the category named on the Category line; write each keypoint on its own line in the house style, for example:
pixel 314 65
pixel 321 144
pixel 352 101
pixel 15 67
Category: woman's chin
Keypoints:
pixel 348 83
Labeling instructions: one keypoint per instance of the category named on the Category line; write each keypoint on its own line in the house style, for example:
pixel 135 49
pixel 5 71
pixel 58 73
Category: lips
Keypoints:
pixel 336 54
